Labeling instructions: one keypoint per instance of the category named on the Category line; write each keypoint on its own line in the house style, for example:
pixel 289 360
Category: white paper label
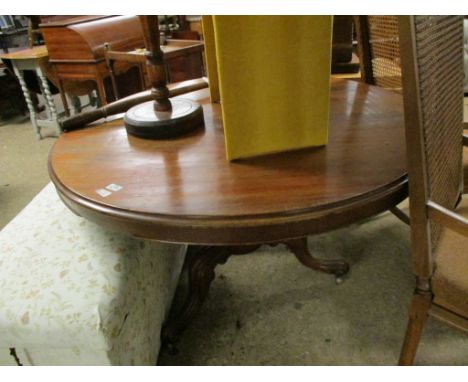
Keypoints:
pixel 114 187
pixel 103 192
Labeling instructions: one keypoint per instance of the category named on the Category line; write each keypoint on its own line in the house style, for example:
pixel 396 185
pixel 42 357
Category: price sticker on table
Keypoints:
pixel 114 187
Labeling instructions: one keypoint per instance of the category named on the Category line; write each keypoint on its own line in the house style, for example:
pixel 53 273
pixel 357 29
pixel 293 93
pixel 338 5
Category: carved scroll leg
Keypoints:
pixel 200 262
pixel 299 248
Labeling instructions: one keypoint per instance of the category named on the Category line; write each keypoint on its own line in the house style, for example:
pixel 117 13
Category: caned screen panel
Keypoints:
pixel 439 51
pixel 385 51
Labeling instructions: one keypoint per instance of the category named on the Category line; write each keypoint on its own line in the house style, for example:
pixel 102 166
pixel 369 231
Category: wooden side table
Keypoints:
pixel 31 59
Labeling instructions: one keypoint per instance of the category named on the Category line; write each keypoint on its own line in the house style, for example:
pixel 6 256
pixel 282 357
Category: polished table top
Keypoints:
pixel 184 190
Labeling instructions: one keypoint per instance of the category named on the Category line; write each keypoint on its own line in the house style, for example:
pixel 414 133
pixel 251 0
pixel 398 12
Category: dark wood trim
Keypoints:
pixel 400 215
pixel 364 49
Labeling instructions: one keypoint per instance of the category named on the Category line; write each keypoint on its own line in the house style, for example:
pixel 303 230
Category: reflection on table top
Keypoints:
pixel 190 176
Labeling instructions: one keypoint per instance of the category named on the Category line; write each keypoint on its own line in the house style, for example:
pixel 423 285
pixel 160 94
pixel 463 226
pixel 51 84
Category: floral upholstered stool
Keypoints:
pixel 73 293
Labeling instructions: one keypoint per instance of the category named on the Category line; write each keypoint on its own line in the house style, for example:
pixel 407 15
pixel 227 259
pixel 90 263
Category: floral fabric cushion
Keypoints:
pixel 74 293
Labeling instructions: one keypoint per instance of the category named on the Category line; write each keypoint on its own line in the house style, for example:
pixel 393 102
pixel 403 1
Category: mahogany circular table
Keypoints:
pixel 185 191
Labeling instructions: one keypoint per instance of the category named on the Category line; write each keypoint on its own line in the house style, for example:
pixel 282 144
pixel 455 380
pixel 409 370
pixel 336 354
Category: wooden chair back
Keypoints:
pixel 379 51
pixel 432 66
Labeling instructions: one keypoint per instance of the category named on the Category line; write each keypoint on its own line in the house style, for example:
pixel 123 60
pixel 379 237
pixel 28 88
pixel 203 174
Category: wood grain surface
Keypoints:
pixel 184 190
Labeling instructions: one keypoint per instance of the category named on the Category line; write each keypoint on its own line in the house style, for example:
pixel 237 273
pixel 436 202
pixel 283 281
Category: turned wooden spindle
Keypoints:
pixel 160 118
pixel 155 63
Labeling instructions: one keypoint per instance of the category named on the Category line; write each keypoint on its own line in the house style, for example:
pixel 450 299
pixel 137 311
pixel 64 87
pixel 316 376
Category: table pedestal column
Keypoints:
pixel 200 263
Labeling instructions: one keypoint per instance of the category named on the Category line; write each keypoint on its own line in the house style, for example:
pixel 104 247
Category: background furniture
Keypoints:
pixel 194 23
pixel 432 65
pixel 183 60
pixel 185 191
pixel 379 50
pixel 160 117
pixel 33 59
pixel 73 293
pixel 77 52
pixel 13 32
pixel 343 58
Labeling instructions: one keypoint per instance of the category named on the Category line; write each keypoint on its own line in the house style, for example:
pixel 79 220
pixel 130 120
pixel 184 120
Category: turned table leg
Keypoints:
pixel 49 100
pixel 29 102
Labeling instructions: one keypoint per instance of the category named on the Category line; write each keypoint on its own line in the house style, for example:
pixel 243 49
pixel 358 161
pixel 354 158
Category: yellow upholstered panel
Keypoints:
pixel 210 57
pixel 274 79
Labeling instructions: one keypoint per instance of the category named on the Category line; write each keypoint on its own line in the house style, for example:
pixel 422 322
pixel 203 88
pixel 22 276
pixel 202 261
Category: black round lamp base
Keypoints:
pixel 144 122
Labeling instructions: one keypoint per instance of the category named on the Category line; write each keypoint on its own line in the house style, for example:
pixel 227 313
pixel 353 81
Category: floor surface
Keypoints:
pixel 267 309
